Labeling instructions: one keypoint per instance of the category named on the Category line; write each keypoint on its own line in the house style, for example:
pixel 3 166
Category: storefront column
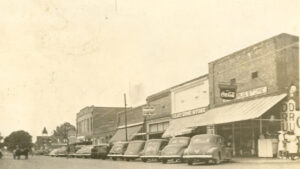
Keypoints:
pixel 233 140
pixel 253 138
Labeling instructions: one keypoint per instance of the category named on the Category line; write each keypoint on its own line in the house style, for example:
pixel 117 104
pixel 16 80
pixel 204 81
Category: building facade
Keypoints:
pixel 130 125
pixel 248 90
pixel 97 124
pixel 158 122
pixel 187 100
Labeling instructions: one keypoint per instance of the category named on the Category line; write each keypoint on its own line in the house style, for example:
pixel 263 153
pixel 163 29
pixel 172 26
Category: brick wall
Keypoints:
pixel 262 58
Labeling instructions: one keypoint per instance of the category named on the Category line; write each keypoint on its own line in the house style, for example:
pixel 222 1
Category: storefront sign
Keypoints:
pixel 297 125
pixel 253 92
pixel 227 92
pixel 190 112
pixel 289 116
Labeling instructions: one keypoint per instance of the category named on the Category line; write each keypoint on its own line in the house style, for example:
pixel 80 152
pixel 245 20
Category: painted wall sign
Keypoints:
pixel 189 112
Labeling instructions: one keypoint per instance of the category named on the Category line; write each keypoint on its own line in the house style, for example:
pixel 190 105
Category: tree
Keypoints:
pixel 60 134
pixel 21 138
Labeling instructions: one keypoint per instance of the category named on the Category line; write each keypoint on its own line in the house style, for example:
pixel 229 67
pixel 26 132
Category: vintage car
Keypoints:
pixel 152 149
pixel 118 150
pixel 174 150
pixel 207 148
pixel 134 149
pixel 84 152
pixel 59 152
pixel 100 151
pixel 1 154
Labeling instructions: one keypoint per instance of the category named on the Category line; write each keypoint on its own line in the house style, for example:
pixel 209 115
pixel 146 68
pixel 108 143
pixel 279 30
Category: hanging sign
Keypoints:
pixel 297 124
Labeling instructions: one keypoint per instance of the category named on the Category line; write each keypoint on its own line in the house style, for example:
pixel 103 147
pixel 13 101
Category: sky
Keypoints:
pixel 57 57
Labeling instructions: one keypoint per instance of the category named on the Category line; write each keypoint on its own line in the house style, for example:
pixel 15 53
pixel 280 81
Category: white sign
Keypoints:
pixel 288 116
pixel 253 92
pixel 297 125
pixel 148 110
pixel 189 112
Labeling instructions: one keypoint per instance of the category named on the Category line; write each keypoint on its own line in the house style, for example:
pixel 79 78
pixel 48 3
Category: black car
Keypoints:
pixel 1 154
pixel 100 151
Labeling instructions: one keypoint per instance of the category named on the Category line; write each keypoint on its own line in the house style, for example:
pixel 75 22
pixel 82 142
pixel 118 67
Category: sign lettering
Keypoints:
pixel 190 112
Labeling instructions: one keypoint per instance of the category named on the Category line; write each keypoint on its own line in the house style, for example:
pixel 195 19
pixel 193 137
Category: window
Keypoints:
pixel 233 81
pixel 254 75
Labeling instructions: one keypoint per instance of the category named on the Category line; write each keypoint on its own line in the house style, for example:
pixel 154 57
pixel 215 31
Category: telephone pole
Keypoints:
pixel 125 117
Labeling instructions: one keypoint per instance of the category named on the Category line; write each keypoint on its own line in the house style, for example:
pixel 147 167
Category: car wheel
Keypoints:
pixel 164 161
pixel 144 160
pixel 127 159
pixel 114 158
pixel 190 161
pixel 218 159
pixel 103 158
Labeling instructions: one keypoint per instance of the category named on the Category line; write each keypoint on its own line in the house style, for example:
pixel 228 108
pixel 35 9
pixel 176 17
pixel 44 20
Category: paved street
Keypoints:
pixel 41 162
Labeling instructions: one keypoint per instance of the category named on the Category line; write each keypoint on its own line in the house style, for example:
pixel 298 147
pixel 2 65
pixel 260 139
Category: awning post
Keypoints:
pixel 233 140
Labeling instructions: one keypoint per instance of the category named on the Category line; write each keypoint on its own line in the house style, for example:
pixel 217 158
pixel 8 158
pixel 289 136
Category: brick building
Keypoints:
pixel 97 124
pixel 248 91
pixel 134 125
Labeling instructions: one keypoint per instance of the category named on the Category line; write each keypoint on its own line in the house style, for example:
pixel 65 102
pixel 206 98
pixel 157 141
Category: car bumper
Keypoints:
pixel 170 156
pixel 135 156
pixel 115 155
pixel 198 156
pixel 150 156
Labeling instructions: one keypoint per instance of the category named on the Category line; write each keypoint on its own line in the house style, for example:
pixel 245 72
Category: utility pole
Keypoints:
pixel 125 118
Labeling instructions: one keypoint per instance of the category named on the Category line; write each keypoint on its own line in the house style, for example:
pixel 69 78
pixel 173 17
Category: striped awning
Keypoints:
pixel 230 113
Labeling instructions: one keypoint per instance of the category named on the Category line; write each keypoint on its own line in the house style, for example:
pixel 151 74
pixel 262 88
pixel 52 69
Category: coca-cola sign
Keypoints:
pixel 227 92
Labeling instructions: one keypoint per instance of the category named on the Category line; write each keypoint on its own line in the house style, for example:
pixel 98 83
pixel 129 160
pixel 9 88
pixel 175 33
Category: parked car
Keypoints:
pixel 75 149
pixel 1 154
pixel 100 151
pixel 152 149
pixel 118 150
pixel 84 152
pixel 174 150
pixel 59 152
pixel 207 148
pixel 134 149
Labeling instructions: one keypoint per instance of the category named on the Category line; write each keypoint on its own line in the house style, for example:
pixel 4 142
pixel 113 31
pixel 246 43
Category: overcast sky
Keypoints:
pixel 56 57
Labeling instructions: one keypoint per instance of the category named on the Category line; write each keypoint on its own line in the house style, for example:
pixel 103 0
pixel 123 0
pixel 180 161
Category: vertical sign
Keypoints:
pixel 297 125
pixel 288 115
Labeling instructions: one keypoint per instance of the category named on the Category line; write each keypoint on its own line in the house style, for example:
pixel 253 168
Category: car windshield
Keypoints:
pixel 118 147
pixel 153 145
pixel 184 141
pixel 135 145
pixel 198 140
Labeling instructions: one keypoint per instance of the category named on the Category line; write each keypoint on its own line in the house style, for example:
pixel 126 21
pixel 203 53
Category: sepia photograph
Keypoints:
pixel 150 84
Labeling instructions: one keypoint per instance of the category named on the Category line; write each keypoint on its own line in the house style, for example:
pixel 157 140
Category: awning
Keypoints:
pixel 178 127
pixel 230 113
pixel 131 132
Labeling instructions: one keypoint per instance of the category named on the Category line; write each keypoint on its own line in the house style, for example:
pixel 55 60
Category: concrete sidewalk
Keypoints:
pixel 262 160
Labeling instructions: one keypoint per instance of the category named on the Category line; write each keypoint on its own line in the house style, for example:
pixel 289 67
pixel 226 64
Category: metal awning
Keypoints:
pixel 131 132
pixel 230 113
pixel 178 127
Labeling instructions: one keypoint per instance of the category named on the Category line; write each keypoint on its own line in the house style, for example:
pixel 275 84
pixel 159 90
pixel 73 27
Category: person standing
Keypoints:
pixel 281 145
pixel 292 145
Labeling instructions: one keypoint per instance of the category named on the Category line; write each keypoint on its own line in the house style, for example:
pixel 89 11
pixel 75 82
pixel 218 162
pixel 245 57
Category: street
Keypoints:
pixel 43 162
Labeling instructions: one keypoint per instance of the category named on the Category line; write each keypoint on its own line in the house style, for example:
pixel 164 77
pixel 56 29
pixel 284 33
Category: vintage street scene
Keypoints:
pixel 122 84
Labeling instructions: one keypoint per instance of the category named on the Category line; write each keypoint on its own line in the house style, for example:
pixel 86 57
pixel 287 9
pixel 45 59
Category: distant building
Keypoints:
pixel 96 124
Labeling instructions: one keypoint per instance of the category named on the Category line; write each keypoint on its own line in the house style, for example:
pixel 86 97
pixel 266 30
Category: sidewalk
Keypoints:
pixel 261 160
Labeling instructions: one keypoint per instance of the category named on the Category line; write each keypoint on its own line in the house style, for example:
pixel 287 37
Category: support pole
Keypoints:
pixel 233 140
pixel 126 137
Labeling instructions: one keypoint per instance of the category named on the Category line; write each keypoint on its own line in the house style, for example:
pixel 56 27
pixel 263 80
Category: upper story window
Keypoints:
pixel 254 75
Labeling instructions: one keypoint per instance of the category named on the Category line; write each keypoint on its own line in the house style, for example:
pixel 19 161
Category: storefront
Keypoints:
pixel 188 100
pixel 131 130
